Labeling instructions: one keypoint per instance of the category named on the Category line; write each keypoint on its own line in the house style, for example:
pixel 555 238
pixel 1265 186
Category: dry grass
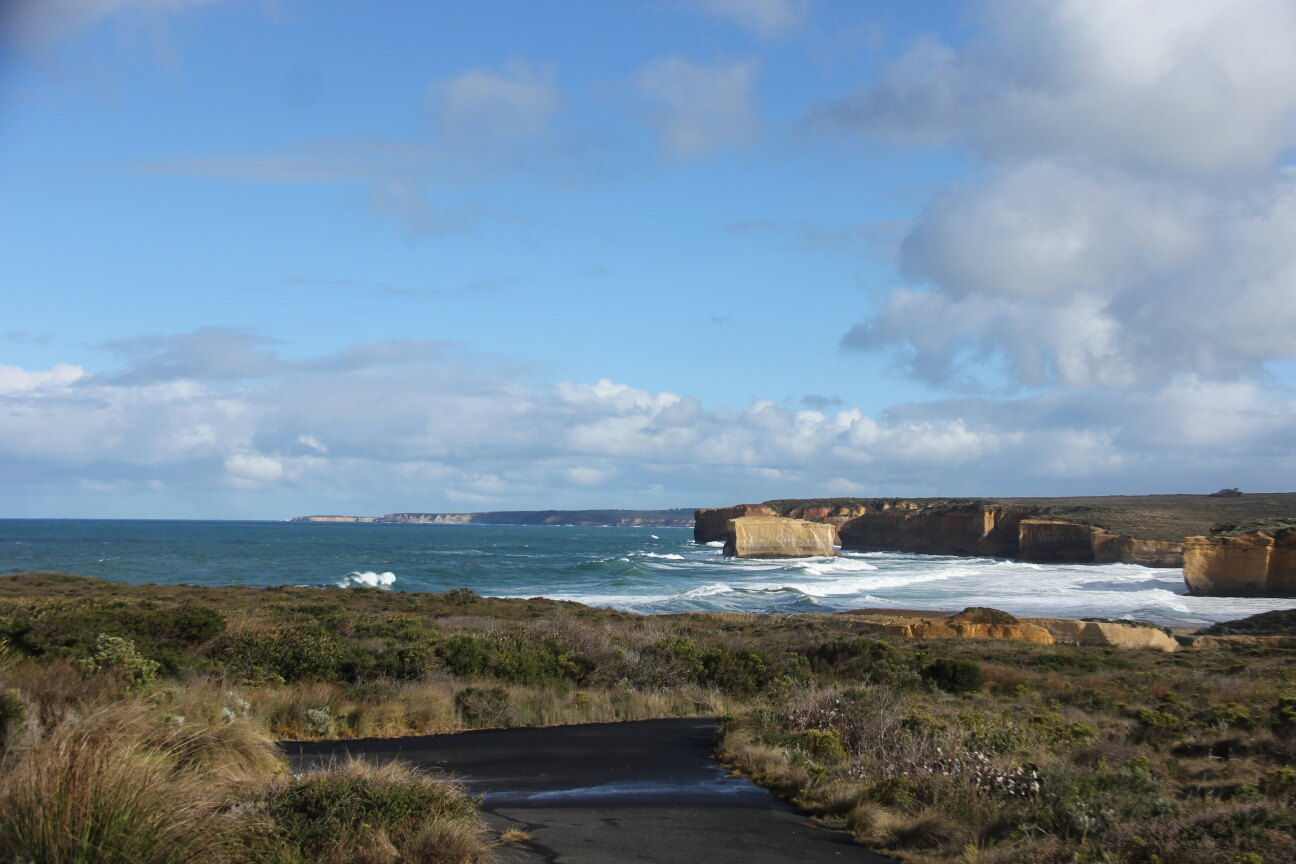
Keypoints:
pixel 109 788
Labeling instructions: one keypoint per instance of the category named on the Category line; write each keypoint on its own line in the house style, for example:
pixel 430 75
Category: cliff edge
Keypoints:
pixel 1243 560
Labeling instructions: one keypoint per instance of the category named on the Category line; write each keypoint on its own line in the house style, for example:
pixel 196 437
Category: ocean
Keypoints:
pixel 636 569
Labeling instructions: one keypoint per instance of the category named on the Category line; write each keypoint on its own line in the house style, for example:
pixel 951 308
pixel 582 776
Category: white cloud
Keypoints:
pixel 441 429
pixel 480 108
pixel 765 18
pixel 14 379
pixel 1201 86
pixel 695 109
pixel 1125 223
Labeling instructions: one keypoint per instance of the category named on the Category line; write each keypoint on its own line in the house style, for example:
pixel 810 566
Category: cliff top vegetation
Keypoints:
pixel 1145 517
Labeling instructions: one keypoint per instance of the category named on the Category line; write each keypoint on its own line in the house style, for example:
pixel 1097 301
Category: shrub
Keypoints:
pixel 484 706
pixel 464 656
pixel 743 672
pixel 673 660
pixel 363 812
pixel 293 654
pixel 825 746
pixel 1284 720
pixel 954 676
pixel 866 660
pixel 898 792
pixel 118 658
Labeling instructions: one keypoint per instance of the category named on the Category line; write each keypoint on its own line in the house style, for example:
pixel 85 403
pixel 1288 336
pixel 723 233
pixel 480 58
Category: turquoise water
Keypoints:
pixel 638 569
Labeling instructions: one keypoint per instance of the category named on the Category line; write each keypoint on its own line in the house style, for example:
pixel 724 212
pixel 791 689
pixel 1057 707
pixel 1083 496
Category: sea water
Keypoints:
pixel 636 569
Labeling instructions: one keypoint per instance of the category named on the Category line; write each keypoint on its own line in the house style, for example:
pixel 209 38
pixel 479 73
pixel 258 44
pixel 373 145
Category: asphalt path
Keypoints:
pixel 644 791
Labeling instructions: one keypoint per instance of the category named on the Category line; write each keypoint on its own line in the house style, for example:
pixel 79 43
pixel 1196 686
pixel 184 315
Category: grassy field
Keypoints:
pixel 1146 517
pixel 142 718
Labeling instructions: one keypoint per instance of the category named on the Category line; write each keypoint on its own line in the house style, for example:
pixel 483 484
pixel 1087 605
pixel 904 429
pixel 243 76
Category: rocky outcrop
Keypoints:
pixel 967 529
pixel 1254 563
pixel 971 623
pixel 1117 549
pixel 1112 634
pixel 834 516
pixel 1048 541
pixel 712 525
pixel 776 537
pixel 1054 541
pixel 999 532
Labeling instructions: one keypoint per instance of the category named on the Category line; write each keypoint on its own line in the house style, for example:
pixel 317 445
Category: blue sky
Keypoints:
pixel 267 258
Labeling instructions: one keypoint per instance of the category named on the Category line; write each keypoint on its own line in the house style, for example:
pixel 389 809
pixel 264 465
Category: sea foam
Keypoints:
pixel 368 579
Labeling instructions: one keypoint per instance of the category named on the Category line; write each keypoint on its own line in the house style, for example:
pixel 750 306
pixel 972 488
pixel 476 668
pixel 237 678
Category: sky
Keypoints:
pixel 266 258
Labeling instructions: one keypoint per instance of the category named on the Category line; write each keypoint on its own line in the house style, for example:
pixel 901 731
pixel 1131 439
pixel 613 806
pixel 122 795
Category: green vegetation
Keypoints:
pixel 986 751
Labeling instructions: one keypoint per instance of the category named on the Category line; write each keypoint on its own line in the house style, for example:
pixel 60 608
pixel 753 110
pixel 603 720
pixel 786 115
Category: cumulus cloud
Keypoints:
pixel 417 422
pixel 698 109
pixel 765 18
pixel 1202 86
pixel 1125 227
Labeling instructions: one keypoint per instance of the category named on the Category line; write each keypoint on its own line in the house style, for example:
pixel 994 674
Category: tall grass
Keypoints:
pixel 108 788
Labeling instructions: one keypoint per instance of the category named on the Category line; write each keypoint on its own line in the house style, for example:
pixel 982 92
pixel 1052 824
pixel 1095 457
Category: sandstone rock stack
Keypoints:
pixel 1249 563
pixel 776 537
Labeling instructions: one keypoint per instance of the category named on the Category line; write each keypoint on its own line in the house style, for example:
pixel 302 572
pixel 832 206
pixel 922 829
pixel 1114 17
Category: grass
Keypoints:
pixel 949 751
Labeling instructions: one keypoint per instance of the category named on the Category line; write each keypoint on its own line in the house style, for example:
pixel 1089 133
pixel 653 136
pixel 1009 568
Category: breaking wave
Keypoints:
pixel 368 579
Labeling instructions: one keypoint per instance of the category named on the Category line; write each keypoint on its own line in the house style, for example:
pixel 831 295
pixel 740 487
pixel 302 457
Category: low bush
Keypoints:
pixel 484 706
pixel 363 812
pixel 954 676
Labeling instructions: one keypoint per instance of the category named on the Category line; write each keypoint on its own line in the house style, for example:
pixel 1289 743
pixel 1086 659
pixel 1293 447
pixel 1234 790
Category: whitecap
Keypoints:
pixel 706 591
pixel 368 579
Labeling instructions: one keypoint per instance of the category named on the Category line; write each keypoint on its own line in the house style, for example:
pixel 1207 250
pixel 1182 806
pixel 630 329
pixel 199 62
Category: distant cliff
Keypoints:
pixel 680 518
pixel 1253 554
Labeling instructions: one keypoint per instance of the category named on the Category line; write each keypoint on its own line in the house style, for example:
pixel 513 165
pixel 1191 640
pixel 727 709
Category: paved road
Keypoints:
pixel 645 791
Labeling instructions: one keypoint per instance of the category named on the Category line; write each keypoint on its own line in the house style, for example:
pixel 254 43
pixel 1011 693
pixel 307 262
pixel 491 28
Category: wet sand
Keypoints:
pixel 645 791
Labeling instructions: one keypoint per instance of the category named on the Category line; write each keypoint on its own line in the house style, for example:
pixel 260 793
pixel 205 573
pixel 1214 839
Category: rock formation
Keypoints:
pixel 1052 541
pixel 967 529
pixel 1113 634
pixel 834 516
pixel 1260 562
pixel 971 623
pixel 998 532
pixel 712 525
pixel 776 537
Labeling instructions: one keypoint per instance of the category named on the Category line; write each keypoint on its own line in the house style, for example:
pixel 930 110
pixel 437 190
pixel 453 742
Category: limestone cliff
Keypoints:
pixel 1260 562
pixel 712 525
pixel 971 623
pixel 834 516
pixel 966 529
pixel 1052 541
pixel 997 532
pixel 776 537
pixel 1112 634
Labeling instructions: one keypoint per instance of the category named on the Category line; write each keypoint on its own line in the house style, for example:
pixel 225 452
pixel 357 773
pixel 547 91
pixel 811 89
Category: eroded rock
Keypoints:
pixel 1254 563
pixel 1067 631
pixel 777 537
pixel 712 524
pixel 971 623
